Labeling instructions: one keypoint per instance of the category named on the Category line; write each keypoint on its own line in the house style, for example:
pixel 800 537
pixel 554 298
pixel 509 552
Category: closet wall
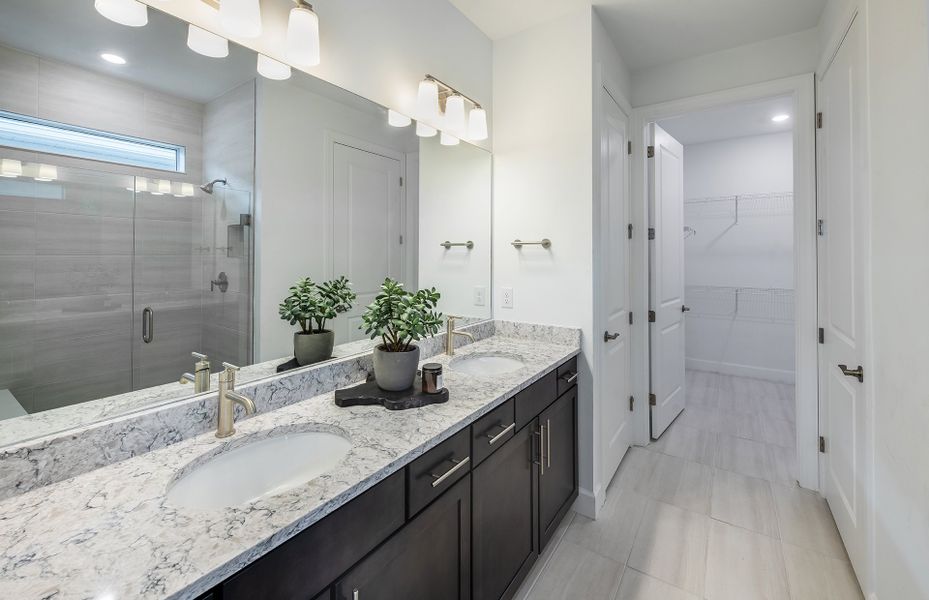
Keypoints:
pixel 739 256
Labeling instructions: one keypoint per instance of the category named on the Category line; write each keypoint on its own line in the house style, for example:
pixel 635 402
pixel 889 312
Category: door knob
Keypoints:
pixel 609 337
pixel 856 373
pixel 685 308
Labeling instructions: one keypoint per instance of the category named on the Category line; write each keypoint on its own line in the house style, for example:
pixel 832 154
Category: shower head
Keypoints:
pixel 208 187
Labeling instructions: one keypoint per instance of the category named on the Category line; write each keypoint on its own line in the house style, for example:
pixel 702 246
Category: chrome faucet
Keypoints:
pixel 450 334
pixel 228 398
pixel 201 375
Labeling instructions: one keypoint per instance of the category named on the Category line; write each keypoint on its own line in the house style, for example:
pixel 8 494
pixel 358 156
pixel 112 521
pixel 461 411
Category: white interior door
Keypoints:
pixel 666 277
pixel 367 224
pixel 614 289
pixel 843 283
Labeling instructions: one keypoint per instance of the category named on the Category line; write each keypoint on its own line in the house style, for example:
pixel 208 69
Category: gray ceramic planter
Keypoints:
pixel 313 347
pixel 395 371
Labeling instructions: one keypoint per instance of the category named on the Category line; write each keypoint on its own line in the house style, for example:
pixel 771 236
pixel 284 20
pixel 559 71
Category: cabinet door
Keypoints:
pixel 558 479
pixel 429 559
pixel 505 512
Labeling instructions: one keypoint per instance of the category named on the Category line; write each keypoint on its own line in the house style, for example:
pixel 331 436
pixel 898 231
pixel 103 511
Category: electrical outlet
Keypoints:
pixel 480 295
pixel 506 297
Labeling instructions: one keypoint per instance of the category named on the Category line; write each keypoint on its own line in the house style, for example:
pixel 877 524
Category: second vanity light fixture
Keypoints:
pixel 439 103
pixel 241 18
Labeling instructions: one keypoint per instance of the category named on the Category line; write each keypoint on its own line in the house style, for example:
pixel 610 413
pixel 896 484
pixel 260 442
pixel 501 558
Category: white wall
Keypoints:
pixel 379 50
pixel 757 253
pixel 293 221
pixel 753 63
pixel 454 205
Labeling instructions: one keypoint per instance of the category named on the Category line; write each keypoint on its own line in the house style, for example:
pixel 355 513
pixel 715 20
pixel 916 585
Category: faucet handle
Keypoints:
pixel 231 367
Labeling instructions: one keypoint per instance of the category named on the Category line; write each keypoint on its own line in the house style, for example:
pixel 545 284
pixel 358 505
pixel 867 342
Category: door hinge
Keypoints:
pixel 651 233
pixel 401 240
pixel 652 400
pixel 401 182
pixel 822 444
pixel 822 335
pixel 629 231
pixel 629 146
pixel 651 316
pixel 820 227
pixel 630 317
pixel 651 152
pixel 631 403
pixel 819 120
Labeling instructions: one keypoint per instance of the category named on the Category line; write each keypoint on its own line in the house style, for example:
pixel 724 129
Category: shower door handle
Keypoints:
pixel 148 325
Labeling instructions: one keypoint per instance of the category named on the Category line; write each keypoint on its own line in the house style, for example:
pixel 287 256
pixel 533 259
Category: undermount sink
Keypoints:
pixel 262 468
pixel 487 363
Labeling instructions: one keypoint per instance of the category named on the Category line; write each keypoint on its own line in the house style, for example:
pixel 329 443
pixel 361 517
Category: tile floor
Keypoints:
pixel 710 511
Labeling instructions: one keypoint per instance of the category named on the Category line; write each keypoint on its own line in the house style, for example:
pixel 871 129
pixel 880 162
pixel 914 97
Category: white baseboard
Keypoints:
pixel 588 503
pixel 778 375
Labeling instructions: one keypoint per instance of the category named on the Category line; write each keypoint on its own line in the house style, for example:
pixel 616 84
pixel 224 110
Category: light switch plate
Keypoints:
pixel 506 297
pixel 480 295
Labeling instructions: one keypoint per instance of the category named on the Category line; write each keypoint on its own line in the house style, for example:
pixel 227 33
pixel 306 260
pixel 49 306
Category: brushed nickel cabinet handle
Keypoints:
pixel 541 462
pixel 439 479
pixel 496 438
pixel 148 325
pixel 548 432
pixel 569 379
pixel 356 595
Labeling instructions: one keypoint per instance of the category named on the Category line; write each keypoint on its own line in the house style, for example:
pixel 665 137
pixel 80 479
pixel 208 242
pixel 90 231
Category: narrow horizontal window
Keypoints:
pixel 40 135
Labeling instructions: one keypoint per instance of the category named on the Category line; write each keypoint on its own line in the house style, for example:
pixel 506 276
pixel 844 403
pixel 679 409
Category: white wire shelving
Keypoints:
pixel 773 204
pixel 772 305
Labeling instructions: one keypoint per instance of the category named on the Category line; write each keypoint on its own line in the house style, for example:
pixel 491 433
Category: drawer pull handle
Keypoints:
pixel 569 378
pixel 496 438
pixel 541 461
pixel 439 479
pixel 548 441
pixel 356 594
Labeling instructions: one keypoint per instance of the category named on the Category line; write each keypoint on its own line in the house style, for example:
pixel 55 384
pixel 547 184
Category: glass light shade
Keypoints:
pixel 303 36
pixel 273 69
pixel 10 167
pixel 427 100
pixel 395 119
pixel 477 124
pixel 187 189
pixel 241 17
pixel 47 173
pixel 455 114
pixel 423 130
pixel 448 139
pixel 124 12
pixel 207 43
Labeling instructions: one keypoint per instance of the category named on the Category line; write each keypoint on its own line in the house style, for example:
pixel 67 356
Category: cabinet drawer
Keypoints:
pixel 437 470
pixel 492 431
pixel 306 564
pixel 534 399
pixel 567 376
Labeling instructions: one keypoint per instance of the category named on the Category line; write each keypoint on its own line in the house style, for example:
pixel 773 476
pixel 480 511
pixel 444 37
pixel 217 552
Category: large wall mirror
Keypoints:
pixel 156 202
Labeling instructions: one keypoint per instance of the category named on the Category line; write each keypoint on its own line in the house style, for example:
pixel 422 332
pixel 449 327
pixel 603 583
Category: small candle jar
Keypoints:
pixel 432 378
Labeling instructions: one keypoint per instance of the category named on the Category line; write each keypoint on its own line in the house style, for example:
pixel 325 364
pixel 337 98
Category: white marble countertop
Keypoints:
pixel 110 534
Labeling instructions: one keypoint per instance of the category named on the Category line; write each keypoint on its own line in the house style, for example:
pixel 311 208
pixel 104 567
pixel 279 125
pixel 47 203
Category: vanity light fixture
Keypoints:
pixel 448 139
pixel 10 167
pixel 125 12
pixel 427 99
pixel 780 118
pixel 241 17
pixel 273 69
pixel 477 124
pixel 113 59
pixel 47 173
pixel 302 35
pixel 423 130
pixel 455 114
pixel 395 119
pixel 206 42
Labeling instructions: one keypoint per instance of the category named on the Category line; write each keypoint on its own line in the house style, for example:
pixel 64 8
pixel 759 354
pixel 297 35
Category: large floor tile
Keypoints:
pixel 613 533
pixel 783 462
pixel 743 565
pixel 701 396
pixel 744 501
pixel 639 586
pixel 671 546
pixel 670 479
pixel 697 445
pixel 740 425
pixel 575 572
pixel 812 576
pixel 705 379
pixel 699 418
pixel 804 520
pixel 743 456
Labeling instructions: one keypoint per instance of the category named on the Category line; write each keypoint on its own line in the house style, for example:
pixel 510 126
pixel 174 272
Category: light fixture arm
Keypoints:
pixel 447 90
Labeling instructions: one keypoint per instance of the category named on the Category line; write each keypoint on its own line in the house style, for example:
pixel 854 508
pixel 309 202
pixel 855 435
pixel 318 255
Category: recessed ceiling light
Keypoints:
pixel 113 58
pixel 780 118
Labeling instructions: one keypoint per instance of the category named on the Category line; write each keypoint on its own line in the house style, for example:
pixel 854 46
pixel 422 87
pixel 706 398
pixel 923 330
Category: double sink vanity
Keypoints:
pixel 310 500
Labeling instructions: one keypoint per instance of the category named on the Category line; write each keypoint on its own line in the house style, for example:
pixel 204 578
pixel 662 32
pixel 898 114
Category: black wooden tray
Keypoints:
pixel 368 393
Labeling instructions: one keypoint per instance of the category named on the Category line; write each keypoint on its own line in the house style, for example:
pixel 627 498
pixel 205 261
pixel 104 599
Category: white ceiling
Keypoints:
pixel 738 120
pixel 653 32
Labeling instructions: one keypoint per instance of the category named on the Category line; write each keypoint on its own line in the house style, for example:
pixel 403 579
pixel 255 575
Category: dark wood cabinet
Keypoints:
pixel 429 559
pixel 558 485
pixel 504 537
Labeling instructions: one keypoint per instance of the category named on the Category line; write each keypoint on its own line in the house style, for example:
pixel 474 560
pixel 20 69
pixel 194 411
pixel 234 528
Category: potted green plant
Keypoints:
pixel 400 318
pixel 311 305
